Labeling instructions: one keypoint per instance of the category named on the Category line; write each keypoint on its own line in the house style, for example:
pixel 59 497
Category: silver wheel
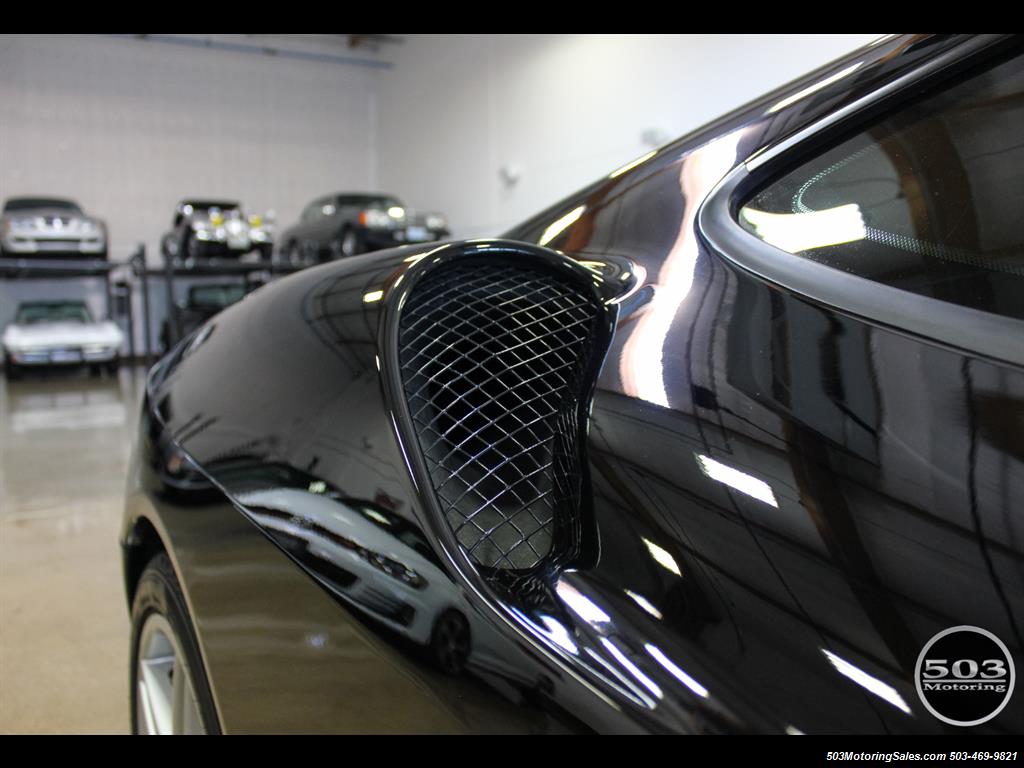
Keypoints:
pixel 295 256
pixel 166 697
pixel 349 243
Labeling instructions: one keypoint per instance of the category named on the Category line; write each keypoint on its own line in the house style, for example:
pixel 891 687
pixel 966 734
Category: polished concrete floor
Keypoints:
pixel 64 445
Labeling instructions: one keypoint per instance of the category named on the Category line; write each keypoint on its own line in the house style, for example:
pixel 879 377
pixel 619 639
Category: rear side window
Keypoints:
pixel 929 200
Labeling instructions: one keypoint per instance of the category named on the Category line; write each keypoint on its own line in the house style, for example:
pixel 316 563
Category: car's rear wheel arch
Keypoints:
pixel 141 546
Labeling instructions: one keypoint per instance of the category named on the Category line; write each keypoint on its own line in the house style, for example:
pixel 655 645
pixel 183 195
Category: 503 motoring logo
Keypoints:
pixel 964 675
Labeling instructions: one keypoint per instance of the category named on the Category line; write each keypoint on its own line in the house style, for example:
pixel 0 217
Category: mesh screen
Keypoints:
pixel 492 356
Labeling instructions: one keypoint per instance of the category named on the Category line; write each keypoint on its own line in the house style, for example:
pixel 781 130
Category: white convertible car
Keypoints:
pixel 59 333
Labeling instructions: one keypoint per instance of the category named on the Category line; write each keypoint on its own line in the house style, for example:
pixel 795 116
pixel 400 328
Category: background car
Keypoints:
pixel 50 227
pixel 206 229
pixel 718 444
pixel 345 224
pixel 202 303
pixel 49 333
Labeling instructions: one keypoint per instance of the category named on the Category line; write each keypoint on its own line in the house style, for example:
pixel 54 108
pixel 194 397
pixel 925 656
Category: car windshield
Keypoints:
pixel 53 312
pixel 33 203
pixel 191 206
pixel 370 201
pixel 215 295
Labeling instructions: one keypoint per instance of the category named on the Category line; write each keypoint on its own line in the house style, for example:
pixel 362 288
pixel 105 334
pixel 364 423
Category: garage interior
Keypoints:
pixel 482 130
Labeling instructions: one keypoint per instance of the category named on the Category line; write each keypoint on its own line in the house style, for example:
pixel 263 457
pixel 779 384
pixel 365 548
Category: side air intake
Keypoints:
pixel 495 358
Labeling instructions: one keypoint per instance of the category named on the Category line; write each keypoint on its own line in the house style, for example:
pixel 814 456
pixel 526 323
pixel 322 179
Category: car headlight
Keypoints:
pixel 23 223
pixel 374 218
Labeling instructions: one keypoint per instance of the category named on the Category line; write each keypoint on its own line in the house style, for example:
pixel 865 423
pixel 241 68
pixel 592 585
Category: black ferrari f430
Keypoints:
pixel 732 441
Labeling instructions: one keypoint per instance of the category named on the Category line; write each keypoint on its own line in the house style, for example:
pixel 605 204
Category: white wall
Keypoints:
pixel 128 128
pixel 565 108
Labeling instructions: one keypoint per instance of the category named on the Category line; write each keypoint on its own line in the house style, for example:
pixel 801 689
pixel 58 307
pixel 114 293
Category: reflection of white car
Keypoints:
pixel 373 560
pixel 59 333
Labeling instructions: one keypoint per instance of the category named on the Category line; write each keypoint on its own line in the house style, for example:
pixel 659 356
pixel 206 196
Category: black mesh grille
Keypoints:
pixel 493 356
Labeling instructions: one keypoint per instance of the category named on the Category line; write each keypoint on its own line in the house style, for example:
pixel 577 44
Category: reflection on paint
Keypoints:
pixel 632 668
pixel 642 365
pixel 644 603
pixel 558 226
pixel 811 89
pixel 663 558
pixel 675 671
pixel 734 478
pixel 866 681
pixel 580 604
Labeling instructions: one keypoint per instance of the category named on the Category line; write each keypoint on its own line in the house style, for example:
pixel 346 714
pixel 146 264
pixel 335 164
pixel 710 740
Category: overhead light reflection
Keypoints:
pixel 675 671
pixel 372 296
pixel 734 478
pixel 559 634
pixel 581 605
pixel 866 681
pixel 642 364
pixel 644 603
pixel 795 232
pixel 633 669
pixel 558 226
pixel 628 166
pixel 663 558
pixel 813 88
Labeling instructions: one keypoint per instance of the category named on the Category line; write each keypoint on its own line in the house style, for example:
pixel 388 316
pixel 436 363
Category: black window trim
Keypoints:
pixel 963 328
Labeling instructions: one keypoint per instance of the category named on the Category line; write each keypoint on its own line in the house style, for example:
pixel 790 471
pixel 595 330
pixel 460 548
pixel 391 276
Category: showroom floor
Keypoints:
pixel 64 445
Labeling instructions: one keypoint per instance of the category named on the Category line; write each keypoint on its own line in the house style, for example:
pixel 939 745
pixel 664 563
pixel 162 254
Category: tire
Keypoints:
pixel 293 256
pixel 113 366
pixel 351 243
pixel 192 249
pixel 12 371
pixel 450 642
pixel 160 621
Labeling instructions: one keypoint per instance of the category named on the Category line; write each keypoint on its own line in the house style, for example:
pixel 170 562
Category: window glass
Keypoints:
pixel 38 313
pixel 929 200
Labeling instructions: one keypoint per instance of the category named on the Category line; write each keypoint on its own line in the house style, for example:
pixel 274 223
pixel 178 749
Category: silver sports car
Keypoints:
pixel 50 227
pixel 47 333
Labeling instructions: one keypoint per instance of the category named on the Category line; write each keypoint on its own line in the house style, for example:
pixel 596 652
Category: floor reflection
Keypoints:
pixel 64 447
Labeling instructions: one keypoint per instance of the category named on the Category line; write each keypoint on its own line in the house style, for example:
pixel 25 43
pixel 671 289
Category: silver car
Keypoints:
pixel 50 227
pixel 204 229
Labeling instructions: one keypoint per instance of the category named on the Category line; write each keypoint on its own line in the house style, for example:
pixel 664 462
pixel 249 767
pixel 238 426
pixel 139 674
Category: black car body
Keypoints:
pixel 347 223
pixel 633 467
pixel 211 229
pixel 203 302
pixel 50 227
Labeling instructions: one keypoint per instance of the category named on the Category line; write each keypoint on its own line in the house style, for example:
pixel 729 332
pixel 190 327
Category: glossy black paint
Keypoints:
pixel 274 465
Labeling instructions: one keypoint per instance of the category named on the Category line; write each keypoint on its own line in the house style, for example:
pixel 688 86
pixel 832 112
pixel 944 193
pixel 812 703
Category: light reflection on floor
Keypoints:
pixel 64 445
